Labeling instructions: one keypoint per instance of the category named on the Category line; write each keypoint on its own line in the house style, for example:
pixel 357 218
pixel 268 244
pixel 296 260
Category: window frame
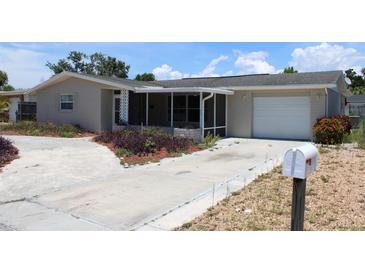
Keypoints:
pixel 62 102
pixel 186 108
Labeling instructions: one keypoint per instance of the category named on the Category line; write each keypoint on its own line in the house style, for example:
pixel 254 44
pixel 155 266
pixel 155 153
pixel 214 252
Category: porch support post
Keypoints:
pixel 172 110
pixel 226 116
pixel 201 115
pixel 147 108
pixel 215 114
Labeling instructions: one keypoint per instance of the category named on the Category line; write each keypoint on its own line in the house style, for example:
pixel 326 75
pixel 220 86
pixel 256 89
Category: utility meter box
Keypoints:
pixel 301 161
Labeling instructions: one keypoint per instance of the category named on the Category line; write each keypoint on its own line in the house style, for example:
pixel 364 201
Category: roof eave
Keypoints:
pixel 13 93
pixel 184 89
pixel 66 74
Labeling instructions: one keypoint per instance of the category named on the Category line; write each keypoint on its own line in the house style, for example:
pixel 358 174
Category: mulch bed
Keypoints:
pixel 335 199
pixel 151 157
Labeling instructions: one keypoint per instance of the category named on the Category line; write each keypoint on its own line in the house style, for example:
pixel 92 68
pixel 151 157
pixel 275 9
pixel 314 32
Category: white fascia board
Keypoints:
pixel 281 87
pixel 67 74
pixel 185 89
pixel 13 93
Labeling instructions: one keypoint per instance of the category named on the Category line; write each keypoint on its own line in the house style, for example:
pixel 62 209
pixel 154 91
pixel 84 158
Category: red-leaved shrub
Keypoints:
pixel 7 151
pixel 329 131
pixel 346 122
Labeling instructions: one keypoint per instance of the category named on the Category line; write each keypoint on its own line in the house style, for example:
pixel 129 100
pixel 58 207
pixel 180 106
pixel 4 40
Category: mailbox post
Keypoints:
pixel 299 163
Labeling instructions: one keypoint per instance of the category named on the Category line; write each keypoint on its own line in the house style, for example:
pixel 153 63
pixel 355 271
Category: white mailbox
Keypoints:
pixel 301 161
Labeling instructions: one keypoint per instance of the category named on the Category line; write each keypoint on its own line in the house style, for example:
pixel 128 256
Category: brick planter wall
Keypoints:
pixel 194 134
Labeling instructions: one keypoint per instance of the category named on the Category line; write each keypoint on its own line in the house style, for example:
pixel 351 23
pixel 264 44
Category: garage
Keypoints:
pixel 282 117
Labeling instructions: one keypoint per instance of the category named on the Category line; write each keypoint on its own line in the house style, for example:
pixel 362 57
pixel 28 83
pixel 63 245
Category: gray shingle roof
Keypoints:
pixel 356 99
pixel 324 77
pixel 309 78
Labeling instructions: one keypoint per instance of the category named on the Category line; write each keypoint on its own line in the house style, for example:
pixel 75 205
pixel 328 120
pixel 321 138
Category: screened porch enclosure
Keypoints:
pixel 175 112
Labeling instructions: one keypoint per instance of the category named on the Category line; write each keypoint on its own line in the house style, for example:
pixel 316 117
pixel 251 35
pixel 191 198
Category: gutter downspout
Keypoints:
pixel 326 101
pixel 202 116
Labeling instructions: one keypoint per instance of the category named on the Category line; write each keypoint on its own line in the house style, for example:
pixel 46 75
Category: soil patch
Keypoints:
pixel 335 199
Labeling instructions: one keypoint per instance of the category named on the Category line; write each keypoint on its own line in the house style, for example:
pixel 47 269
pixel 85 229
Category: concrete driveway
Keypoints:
pixel 76 184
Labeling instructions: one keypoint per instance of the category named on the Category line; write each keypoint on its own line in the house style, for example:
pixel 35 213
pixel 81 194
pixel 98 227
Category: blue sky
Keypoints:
pixel 25 62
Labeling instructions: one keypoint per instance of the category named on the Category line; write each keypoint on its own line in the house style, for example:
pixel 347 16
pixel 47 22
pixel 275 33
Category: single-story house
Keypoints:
pixel 283 106
pixel 15 98
pixel 356 105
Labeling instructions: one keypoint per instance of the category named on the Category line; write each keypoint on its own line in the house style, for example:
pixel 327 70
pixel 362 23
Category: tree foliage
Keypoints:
pixel 357 85
pixel 95 64
pixel 145 77
pixel 4 104
pixel 4 81
pixel 290 70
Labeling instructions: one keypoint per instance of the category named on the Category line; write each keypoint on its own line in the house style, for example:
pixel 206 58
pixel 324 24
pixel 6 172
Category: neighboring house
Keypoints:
pixel 15 98
pixel 355 105
pixel 283 106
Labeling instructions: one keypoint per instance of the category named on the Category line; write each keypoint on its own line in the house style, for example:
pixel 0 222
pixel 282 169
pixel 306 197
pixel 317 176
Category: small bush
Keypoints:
pixel 346 122
pixel 122 152
pixel 7 151
pixel 329 131
pixel 152 131
pixel 149 145
pixel 357 135
pixel 209 141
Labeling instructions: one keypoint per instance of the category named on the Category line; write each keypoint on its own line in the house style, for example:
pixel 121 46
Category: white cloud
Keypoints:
pixel 228 73
pixel 253 62
pixel 326 57
pixel 25 68
pixel 166 72
pixel 209 70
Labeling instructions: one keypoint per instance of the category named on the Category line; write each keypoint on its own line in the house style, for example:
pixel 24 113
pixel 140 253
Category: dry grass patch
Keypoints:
pixel 335 199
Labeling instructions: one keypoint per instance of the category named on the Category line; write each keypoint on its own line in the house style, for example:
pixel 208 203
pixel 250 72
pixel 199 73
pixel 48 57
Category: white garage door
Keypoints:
pixel 282 117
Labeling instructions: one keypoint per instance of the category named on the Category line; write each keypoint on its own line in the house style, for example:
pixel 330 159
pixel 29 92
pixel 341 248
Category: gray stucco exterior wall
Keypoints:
pixel 334 102
pixel 240 108
pixel 106 110
pixel 87 104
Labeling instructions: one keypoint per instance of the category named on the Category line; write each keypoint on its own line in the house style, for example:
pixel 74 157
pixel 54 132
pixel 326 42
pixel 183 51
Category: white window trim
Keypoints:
pixel 73 102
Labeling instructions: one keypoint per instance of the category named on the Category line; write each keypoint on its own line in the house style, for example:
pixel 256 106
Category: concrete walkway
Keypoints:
pixel 75 184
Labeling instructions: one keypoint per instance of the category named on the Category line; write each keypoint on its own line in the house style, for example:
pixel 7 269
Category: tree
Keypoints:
pixel 95 64
pixel 290 70
pixel 145 77
pixel 4 81
pixel 357 85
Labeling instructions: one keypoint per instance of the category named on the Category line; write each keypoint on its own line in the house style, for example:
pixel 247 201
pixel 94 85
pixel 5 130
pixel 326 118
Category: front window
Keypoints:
pixel 66 103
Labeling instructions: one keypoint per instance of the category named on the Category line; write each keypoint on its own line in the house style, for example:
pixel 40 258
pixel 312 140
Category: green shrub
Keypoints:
pixel 67 134
pixel 209 141
pixel 149 145
pixel 356 135
pixel 122 152
pixel 152 131
pixel 329 131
